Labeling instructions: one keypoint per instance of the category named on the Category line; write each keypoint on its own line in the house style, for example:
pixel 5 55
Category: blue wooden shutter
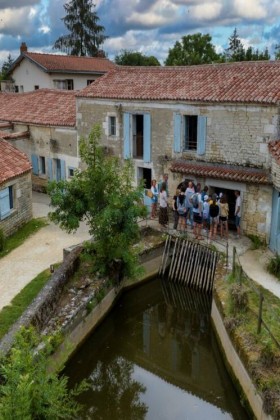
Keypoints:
pixel 201 135
pixel 50 169
pixel 35 164
pixel 126 135
pixel 147 138
pixel 177 132
pixel 4 203
pixel 63 169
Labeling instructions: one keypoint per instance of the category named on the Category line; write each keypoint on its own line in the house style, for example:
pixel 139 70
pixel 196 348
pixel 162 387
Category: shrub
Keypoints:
pixel 273 266
pixel 257 242
pixel 238 298
pixel 267 355
pixel 2 240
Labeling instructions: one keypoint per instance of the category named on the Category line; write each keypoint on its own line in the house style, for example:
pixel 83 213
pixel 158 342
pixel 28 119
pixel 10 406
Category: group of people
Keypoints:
pixel 195 207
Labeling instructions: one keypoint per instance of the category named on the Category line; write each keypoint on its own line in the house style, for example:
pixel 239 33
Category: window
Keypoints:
pixel 190 134
pixel 36 87
pixel 71 172
pixel 16 88
pixel 42 163
pixel 89 82
pixel 6 202
pixel 112 126
pixel 138 136
pixel 67 84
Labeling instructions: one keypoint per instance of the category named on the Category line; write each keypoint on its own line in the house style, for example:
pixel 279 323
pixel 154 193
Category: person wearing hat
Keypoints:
pixel 206 206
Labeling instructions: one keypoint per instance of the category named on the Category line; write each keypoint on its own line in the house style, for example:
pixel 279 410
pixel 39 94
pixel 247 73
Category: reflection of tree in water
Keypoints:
pixel 113 393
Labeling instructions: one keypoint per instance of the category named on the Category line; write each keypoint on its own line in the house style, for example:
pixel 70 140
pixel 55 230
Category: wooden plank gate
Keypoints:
pixel 190 263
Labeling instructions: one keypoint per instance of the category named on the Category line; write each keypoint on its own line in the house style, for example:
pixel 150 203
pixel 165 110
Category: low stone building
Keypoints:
pixel 211 124
pixel 42 124
pixel 15 188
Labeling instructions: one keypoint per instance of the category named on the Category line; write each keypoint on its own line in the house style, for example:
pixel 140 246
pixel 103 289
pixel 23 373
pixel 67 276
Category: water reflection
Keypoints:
pixel 155 356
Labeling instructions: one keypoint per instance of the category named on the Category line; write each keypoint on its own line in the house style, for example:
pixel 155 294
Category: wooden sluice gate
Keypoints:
pixel 190 263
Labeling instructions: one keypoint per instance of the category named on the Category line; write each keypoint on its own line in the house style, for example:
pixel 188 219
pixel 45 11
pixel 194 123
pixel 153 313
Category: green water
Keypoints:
pixel 155 357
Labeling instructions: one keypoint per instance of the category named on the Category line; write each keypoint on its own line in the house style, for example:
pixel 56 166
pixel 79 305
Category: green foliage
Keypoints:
pixel 10 314
pixel 135 58
pixel 104 196
pixel 22 234
pixel 238 299
pixel 85 34
pixel 6 67
pixel 2 240
pixel 273 266
pixel 237 52
pixel 257 242
pixel 193 49
pixel 28 390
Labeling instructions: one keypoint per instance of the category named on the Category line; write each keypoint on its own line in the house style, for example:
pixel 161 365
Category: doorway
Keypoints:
pixel 145 174
pixel 231 198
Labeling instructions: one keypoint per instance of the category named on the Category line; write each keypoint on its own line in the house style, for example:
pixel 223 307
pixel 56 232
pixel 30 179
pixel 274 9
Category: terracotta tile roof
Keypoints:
pixel 6 135
pixel 274 149
pixel 220 171
pixel 43 106
pixel 67 63
pixel 12 162
pixel 246 82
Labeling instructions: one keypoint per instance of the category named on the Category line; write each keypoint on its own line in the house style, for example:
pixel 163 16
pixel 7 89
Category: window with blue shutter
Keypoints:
pixel 63 169
pixel 6 202
pixel 35 164
pixel 177 132
pixel 147 138
pixel 126 136
pixel 201 135
pixel 50 169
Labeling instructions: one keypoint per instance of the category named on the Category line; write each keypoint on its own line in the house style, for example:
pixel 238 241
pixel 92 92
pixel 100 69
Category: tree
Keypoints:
pixel 27 389
pixel 6 66
pixel 237 52
pixel 193 49
pixel 104 196
pixel 86 35
pixel 135 58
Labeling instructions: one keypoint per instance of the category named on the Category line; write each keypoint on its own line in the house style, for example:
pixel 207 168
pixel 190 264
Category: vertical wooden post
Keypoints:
pixel 227 254
pixel 233 261
pixel 240 274
pixel 260 313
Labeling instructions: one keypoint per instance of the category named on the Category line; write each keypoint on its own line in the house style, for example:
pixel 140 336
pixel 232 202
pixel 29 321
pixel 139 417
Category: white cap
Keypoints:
pixel 206 197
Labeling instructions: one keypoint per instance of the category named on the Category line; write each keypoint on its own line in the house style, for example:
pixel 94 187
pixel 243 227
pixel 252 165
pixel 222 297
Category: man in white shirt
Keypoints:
pixel 237 212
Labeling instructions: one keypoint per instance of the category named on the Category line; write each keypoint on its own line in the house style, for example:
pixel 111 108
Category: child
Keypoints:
pixel 206 206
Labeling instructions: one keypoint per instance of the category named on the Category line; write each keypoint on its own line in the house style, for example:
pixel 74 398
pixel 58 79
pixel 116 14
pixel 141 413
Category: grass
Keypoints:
pixel 10 314
pixel 259 352
pixel 22 234
pixel 273 266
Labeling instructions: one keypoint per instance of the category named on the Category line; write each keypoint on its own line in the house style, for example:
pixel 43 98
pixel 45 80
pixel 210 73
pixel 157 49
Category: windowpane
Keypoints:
pixel 112 126
pixel 190 132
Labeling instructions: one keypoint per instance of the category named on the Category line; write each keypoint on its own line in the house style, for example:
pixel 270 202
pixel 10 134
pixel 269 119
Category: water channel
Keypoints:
pixel 155 356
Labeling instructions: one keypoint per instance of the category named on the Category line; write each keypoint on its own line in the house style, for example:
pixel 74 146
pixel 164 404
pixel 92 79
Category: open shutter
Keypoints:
pixel 147 138
pixel 126 135
pixel 201 135
pixel 4 203
pixel 63 169
pixel 35 164
pixel 50 169
pixel 177 132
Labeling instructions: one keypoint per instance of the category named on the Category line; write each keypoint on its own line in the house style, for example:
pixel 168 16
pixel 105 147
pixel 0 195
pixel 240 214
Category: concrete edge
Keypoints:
pixel 236 367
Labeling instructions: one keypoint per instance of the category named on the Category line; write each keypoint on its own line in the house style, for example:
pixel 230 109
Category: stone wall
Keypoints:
pixel 43 306
pixel 236 134
pixel 275 173
pixel 22 201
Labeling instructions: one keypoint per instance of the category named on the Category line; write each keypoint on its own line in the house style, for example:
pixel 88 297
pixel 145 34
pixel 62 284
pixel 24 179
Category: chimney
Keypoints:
pixel 23 47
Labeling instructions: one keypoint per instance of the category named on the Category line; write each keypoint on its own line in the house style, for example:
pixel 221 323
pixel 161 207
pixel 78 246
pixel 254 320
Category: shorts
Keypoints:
pixel 223 218
pixel 237 221
pixel 197 218
pixel 214 220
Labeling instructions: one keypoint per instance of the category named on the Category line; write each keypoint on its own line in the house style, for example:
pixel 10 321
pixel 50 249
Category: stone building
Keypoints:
pixel 210 123
pixel 15 188
pixel 42 124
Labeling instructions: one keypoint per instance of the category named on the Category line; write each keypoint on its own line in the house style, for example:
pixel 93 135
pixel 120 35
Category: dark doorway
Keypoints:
pixel 138 136
pixel 146 175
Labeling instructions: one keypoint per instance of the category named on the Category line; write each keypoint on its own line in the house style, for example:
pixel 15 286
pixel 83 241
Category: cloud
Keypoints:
pixel 206 11
pixel 16 4
pixel 250 9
